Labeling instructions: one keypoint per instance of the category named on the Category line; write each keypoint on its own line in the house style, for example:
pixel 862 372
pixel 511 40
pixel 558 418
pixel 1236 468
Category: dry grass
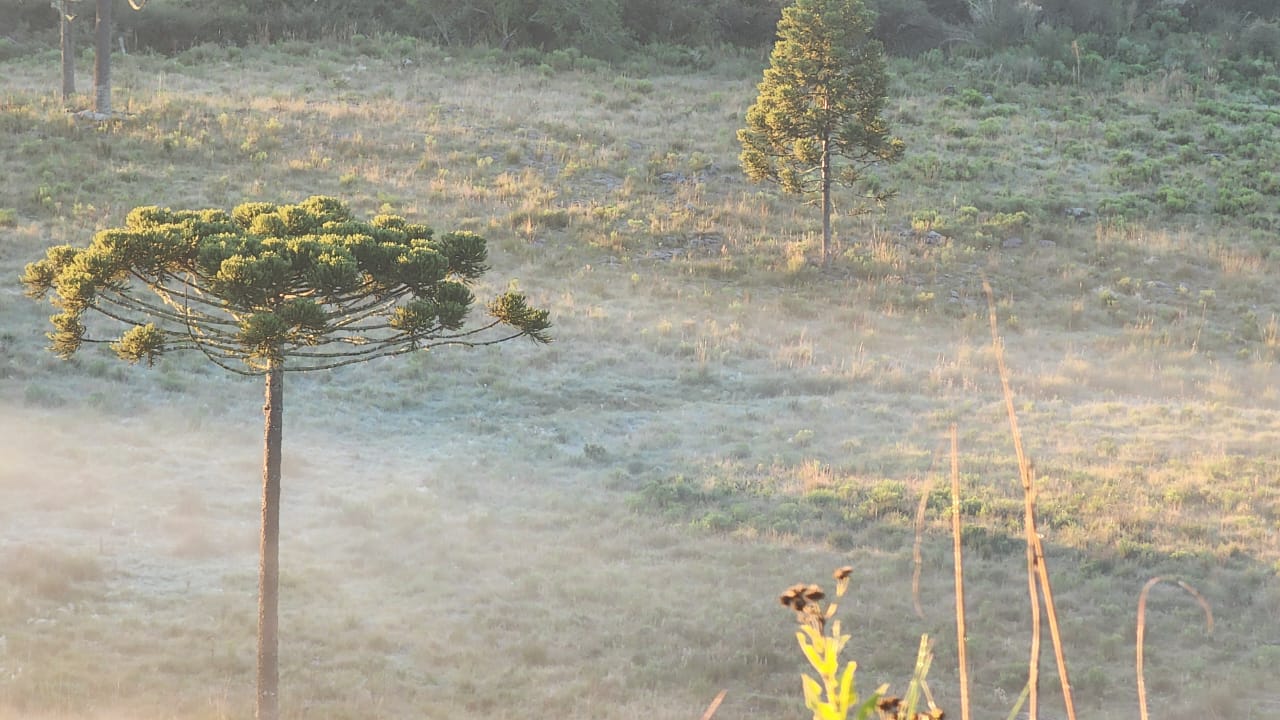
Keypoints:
pixel 597 528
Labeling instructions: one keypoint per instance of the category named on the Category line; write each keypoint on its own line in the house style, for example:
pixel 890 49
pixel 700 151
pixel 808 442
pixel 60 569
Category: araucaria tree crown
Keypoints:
pixel 307 283
pixel 817 119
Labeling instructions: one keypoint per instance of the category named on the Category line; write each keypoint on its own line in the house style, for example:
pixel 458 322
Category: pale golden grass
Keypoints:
pixel 452 550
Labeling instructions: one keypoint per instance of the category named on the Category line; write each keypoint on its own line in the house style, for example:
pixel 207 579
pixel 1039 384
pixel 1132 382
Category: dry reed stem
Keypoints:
pixel 1037 571
pixel 715 705
pixel 1142 631
pixel 962 645
pixel 1033 670
pixel 916 555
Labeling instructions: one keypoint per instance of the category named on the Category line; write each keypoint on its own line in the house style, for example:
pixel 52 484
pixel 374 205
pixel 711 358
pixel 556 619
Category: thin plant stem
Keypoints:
pixel 916 555
pixel 1142 632
pixel 715 705
pixel 1037 570
pixel 962 644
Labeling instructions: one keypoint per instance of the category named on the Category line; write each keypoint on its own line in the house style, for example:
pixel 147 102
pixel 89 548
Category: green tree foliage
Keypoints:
pixel 268 289
pixel 816 122
pixel 308 283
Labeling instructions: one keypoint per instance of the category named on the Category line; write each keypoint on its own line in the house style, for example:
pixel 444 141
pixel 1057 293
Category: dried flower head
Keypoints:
pixel 888 706
pixel 842 576
pixel 790 595
pixel 813 592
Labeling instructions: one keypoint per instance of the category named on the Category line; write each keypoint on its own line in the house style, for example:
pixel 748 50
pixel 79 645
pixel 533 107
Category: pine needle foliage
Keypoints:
pixel 817 119
pixel 307 286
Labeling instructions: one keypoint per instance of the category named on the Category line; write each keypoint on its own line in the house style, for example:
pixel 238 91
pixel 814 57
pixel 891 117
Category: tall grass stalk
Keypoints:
pixel 1142 631
pixel 1036 566
pixel 916 555
pixel 962 645
pixel 715 705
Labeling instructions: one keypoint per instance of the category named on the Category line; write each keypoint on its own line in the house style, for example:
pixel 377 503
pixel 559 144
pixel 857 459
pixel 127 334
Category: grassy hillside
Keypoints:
pixel 600 528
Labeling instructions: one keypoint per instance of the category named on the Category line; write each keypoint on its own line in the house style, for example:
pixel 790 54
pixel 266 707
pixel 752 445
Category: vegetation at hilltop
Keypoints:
pixel 681 31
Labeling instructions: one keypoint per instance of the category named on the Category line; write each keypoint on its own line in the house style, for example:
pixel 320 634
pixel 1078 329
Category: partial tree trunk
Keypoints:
pixel 66 33
pixel 826 200
pixel 268 706
pixel 102 59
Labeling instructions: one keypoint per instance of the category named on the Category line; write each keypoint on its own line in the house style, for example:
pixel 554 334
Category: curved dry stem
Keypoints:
pixel 1142 630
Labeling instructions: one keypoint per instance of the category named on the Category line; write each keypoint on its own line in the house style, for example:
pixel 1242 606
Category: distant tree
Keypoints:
pixel 102 55
pixel 267 290
pixel 816 122
pixel 67 45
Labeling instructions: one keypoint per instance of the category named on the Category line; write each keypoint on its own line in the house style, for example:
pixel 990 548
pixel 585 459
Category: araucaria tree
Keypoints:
pixel 816 122
pixel 267 290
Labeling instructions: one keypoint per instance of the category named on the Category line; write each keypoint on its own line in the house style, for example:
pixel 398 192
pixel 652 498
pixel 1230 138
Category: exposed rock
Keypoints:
pixel 1048 243
pixel 933 237
pixel 1013 242
pixel 92 116
pixel 1077 213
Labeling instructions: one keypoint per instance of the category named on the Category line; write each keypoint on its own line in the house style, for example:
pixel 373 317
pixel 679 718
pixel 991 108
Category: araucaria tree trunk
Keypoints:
pixel 102 59
pixel 268 706
pixel 67 43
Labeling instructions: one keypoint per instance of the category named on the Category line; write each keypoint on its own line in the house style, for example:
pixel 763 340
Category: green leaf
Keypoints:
pixel 68 334
pixel 38 278
pixel 415 317
pixel 263 335
pixel 467 254
pixel 305 315
pixel 143 341
pixel 867 709
pixel 245 213
pixel 513 309
pixel 420 268
pixel 326 210
pixel 334 272
pixel 453 301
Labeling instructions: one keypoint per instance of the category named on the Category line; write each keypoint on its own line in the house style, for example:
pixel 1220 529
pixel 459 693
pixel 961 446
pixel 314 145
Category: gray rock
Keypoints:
pixel 1013 242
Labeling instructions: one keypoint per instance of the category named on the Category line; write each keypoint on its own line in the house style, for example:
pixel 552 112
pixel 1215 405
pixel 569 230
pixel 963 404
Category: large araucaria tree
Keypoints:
pixel 816 122
pixel 268 290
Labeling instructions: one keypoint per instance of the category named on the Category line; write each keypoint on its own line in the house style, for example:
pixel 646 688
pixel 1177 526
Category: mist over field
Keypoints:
pixel 601 527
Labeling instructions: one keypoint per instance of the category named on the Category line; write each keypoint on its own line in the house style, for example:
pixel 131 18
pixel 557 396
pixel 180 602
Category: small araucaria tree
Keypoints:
pixel 816 122
pixel 267 290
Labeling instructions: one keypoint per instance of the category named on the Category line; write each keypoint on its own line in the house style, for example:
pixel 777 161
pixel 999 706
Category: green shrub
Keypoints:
pixel 1260 40
pixel 9 49
pixel 1236 200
